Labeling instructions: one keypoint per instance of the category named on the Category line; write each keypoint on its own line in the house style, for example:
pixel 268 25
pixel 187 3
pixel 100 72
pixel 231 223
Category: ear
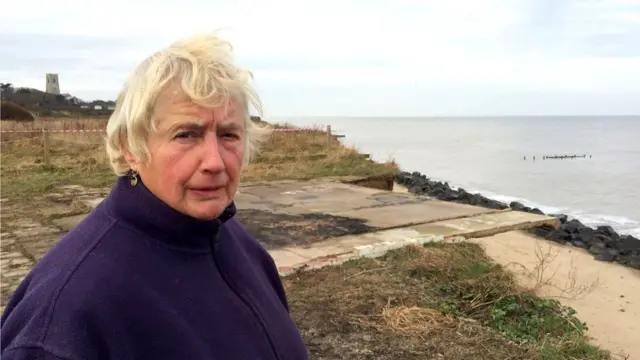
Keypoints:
pixel 131 160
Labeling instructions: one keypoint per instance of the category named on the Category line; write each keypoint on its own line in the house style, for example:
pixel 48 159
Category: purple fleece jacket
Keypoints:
pixel 138 280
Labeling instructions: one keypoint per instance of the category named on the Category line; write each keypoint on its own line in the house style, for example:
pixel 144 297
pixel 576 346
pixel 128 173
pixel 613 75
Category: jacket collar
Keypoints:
pixel 141 210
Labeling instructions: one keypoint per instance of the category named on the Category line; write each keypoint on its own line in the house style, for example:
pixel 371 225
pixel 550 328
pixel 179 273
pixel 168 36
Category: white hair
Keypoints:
pixel 203 68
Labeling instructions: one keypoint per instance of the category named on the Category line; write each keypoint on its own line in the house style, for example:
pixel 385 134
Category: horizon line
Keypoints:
pixel 452 116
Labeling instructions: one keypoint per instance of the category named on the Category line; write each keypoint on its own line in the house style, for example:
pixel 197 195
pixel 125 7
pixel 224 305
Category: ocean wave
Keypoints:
pixel 621 224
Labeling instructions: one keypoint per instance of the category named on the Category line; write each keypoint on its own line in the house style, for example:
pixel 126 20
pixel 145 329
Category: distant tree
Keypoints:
pixel 5 89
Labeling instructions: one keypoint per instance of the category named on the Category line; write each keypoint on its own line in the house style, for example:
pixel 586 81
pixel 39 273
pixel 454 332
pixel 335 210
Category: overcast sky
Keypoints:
pixel 352 57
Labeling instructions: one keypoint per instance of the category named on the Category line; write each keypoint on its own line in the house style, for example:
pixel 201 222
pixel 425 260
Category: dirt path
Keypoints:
pixel 605 295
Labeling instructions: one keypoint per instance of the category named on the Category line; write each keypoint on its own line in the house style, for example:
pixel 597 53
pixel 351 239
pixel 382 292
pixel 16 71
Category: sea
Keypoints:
pixel 494 156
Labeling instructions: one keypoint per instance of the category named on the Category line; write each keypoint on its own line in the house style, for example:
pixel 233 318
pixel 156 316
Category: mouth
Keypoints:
pixel 206 191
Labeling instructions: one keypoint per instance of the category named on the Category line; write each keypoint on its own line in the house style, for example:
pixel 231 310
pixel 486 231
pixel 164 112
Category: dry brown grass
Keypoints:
pixel 308 155
pixel 79 158
pixel 48 123
pixel 443 300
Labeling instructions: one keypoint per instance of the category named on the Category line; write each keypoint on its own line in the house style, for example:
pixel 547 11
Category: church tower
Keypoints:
pixel 53 86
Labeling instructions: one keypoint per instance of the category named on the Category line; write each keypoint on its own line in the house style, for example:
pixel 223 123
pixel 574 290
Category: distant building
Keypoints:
pixel 71 99
pixel 103 105
pixel 53 85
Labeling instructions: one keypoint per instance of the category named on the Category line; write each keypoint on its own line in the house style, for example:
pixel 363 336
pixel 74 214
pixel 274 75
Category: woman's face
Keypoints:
pixel 195 157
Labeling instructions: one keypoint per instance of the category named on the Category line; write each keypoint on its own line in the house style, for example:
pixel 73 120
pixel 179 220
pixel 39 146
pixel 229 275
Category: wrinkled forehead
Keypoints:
pixel 175 107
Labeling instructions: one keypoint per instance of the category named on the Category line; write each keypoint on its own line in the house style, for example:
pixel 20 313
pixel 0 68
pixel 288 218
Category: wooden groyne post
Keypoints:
pixel 331 136
pixel 552 157
pixel 574 156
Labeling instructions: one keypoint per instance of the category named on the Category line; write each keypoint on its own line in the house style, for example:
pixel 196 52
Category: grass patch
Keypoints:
pixel 445 301
pixel 77 159
pixel 24 174
pixel 310 155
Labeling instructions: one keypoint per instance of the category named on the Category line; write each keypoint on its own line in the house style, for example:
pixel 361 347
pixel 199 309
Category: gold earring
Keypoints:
pixel 133 179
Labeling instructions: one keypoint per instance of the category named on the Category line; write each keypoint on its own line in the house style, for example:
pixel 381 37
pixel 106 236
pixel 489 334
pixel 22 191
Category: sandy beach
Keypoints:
pixel 605 295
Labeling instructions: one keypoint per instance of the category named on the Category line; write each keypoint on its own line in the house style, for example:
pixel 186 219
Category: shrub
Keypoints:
pixel 11 111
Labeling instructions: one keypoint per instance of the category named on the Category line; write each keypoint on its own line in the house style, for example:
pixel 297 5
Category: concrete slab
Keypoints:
pixel 335 252
pixel 286 258
pixel 288 192
pixel 345 244
pixel 34 232
pixel 295 213
pixel 322 249
pixel 486 224
pixel 93 203
pixel 36 247
pixel 69 222
pixel 249 201
pixel 55 210
pixel 338 201
pixel 416 213
pixel 303 197
pixel 374 237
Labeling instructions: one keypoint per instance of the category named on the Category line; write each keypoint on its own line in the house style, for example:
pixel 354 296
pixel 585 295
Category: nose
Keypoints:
pixel 212 154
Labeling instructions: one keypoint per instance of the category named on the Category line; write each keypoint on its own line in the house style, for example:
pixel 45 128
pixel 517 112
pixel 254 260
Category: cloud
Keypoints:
pixel 353 57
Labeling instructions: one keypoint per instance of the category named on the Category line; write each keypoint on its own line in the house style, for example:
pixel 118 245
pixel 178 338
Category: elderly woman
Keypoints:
pixel 161 269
